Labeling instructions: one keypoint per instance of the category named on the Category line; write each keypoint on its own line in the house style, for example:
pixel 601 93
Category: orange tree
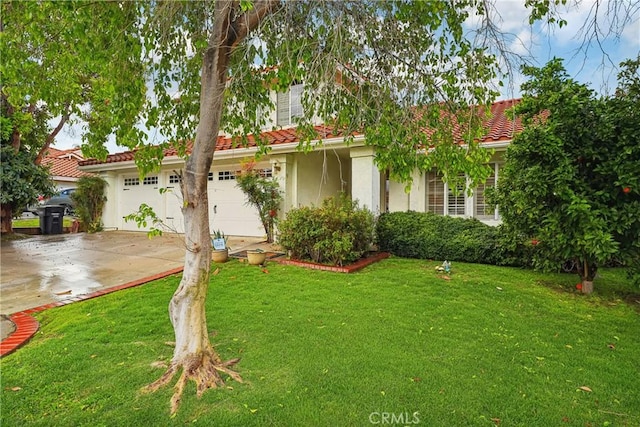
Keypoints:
pixel 571 184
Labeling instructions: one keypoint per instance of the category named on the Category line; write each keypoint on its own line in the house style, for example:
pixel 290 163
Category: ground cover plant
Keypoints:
pixel 484 345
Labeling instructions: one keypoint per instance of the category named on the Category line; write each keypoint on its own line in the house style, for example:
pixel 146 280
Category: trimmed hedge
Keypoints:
pixel 425 235
pixel 338 232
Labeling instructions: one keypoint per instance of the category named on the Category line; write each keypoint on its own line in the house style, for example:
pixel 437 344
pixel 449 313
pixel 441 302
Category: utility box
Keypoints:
pixel 51 218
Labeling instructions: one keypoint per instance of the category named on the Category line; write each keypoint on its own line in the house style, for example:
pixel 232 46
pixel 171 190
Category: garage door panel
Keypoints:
pixel 173 201
pixel 136 192
pixel 228 210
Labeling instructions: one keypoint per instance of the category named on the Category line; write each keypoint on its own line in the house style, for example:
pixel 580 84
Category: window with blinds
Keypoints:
pixel 456 199
pixel 483 210
pixel 435 193
pixel 289 105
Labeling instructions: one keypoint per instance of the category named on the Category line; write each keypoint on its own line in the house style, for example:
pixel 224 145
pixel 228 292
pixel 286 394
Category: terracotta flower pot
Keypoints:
pixel 256 257
pixel 220 255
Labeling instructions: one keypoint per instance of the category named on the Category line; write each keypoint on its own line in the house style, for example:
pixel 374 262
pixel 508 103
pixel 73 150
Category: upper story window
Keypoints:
pixel 289 105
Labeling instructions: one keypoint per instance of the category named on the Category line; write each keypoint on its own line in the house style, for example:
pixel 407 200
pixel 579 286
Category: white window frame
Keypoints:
pixel 470 202
pixel 495 215
pixel 462 195
pixel 130 182
pixel 150 180
pixel 289 105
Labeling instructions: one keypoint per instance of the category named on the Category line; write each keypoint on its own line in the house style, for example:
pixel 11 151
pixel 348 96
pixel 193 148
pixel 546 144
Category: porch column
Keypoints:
pixel 284 171
pixel 365 178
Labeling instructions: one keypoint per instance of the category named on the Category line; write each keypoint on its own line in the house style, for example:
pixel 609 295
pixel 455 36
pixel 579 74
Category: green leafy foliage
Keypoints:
pixel 335 233
pixel 77 62
pixel 262 193
pixel 90 201
pixel 425 235
pixel 571 181
pixel 389 77
pixel 21 180
pixel 145 216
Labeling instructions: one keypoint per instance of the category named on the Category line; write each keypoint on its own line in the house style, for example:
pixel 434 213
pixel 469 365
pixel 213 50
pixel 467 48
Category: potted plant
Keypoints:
pixel 256 256
pixel 220 249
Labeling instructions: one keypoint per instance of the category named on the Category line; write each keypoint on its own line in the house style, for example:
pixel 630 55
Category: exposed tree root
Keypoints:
pixel 205 370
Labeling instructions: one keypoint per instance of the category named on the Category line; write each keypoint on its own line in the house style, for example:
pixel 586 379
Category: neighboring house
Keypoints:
pixel 305 178
pixel 63 165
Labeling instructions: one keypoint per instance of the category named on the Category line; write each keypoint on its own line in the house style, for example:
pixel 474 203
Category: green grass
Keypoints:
pixel 329 349
pixel 35 222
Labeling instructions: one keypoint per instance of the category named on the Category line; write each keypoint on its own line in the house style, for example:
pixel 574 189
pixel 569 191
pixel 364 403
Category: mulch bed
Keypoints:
pixel 350 268
pixel 280 258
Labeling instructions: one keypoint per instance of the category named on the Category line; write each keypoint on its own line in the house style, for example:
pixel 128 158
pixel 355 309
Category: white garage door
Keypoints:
pixel 227 209
pixel 135 192
pixel 173 204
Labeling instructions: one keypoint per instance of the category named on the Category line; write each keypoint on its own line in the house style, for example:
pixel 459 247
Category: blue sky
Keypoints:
pixel 595 65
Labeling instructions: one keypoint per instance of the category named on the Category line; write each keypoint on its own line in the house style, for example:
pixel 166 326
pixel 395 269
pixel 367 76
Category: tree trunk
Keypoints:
pixel 6 218
pixel 193 352
pixel 587 272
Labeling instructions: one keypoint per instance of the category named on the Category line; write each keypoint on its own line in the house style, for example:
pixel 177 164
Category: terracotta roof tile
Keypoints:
pixel 64 163
pixel 498 128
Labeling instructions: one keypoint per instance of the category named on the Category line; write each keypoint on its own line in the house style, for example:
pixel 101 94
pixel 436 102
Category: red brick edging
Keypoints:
pixel 358 265
pixel 27 326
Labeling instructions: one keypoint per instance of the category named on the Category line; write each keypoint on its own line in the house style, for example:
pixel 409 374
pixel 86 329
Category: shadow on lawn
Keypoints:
pixel 603 294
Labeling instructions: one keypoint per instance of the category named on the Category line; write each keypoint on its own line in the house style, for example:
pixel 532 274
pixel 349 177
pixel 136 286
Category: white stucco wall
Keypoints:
pixel 319 175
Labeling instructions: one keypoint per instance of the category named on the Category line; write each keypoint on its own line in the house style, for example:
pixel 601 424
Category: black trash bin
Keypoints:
pixel 51 218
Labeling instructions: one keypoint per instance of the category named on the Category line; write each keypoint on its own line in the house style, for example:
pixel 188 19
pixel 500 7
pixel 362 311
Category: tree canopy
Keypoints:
pixel 63 63
pixel 21 179
pixel 571 183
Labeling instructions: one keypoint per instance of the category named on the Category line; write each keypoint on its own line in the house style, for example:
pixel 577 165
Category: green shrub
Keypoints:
pixel 430 236
pixel 90 200
pixel 336 233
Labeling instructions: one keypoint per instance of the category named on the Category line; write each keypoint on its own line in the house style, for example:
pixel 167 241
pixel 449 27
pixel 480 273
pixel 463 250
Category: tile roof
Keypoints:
pixel 499 128
pixel 64 163
pixel 275 137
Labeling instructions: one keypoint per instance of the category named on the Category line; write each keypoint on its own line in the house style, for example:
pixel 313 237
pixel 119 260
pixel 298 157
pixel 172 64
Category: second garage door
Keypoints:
pixel 228 211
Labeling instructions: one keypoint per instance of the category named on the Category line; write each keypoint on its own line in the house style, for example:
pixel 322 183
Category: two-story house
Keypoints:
pixel 305 178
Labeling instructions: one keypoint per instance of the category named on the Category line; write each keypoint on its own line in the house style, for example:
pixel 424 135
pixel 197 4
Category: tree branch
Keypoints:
pixel 63 120
pixel 249 21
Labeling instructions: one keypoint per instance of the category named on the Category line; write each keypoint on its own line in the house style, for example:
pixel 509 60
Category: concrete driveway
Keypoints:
pixel 44 269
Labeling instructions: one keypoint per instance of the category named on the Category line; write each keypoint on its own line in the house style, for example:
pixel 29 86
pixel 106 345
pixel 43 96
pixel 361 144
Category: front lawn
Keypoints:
pixel 35 222
pixel 395 342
